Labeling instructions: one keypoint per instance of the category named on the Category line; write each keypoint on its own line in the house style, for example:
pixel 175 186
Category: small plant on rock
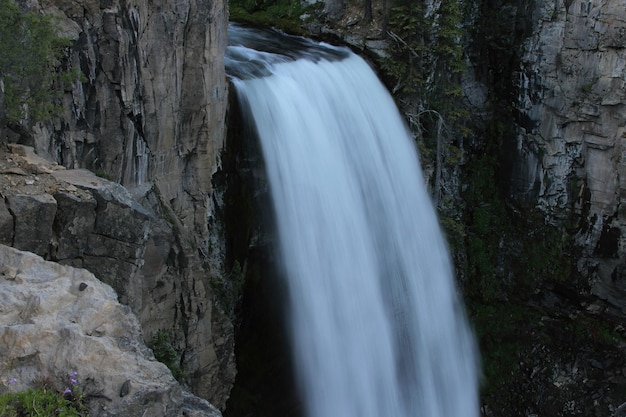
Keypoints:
pixel 45 401
pixel 161 345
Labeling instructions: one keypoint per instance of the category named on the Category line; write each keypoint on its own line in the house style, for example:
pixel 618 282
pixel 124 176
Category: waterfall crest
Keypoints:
pixel 377 327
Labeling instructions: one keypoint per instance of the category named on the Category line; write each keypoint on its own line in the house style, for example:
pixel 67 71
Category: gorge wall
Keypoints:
pixel 571 87
pixel 536 220
pixel 555 71
pixel 148 114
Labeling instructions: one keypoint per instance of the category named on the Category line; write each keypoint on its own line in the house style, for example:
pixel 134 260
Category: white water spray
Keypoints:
pixel 377 327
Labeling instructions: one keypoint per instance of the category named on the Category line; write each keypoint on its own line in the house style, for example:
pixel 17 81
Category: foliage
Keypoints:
pixel 497 328
pixel 283 14
pixel 408 53
pixel 164 351
pixel 424 67
pixel 591 329
pixel 426 53
pixel 45 401
pixel 30 54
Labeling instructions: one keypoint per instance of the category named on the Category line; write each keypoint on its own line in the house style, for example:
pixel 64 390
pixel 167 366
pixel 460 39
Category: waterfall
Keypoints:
pixel 377 327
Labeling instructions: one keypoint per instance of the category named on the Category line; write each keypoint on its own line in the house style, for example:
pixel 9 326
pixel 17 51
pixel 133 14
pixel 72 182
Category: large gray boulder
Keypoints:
pixel 55 320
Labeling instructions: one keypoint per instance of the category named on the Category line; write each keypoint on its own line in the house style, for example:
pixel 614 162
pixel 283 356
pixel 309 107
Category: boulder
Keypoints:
pixel 57 320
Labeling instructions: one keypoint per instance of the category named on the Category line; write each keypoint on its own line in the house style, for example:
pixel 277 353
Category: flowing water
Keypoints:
pixel 377 327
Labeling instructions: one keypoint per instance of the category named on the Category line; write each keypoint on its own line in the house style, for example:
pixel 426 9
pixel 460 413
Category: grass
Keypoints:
pixel 45 401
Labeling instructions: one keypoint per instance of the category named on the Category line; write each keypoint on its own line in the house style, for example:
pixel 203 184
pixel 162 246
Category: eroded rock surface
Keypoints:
pixel 75 218
pixel 56 320
pixel 572 91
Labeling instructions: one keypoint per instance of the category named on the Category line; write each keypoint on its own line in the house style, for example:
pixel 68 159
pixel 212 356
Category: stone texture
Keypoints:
pixel 34 216
pixel 74 221
pixel 113 246
pixel 572 92
pixel 55 320
pixel 6 225
pixel 100 225
pixel 149 115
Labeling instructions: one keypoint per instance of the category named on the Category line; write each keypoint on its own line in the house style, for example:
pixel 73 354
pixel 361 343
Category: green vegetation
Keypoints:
pixel 426 53
pixel 424 68
pixel 45 401
pixel 164 351
pixel 587 87
pixel 283 14
pixel 39 402
pixel 511 252
pixel 30 57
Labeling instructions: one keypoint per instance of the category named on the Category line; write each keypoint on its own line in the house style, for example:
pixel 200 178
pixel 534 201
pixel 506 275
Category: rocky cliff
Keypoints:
pixel 571 91
pixel 148 114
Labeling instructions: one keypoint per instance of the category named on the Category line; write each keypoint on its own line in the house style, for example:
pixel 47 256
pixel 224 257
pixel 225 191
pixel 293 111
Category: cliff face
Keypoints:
pixel 570 147
pixel 148 114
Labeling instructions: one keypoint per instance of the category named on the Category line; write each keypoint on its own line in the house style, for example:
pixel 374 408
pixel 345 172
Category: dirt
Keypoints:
pixel 22 171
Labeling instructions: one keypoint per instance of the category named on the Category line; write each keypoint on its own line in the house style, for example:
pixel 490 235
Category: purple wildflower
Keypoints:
pixel 12 381
pixel 72 375
pixel 67 390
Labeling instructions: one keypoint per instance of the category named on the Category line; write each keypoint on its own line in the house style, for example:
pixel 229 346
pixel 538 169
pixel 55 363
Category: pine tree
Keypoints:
pixel 30 53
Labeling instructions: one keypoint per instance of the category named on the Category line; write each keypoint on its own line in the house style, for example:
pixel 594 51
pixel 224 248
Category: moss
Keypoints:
pixel 510 253
pixel 497 328
pixel 587 87
pixel 103 174
pixel 587 329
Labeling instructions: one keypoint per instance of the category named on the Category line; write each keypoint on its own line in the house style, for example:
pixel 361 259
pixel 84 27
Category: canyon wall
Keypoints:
pixel 147 113
pixel 571 141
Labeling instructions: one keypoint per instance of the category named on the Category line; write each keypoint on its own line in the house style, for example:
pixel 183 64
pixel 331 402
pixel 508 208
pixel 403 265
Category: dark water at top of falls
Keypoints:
pixel 251 52
pixel 376 325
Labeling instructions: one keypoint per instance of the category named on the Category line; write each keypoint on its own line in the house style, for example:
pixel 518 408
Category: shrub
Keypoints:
pixel 161 345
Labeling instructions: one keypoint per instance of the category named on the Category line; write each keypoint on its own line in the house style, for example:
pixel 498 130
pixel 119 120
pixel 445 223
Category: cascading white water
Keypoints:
pixel 377 327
